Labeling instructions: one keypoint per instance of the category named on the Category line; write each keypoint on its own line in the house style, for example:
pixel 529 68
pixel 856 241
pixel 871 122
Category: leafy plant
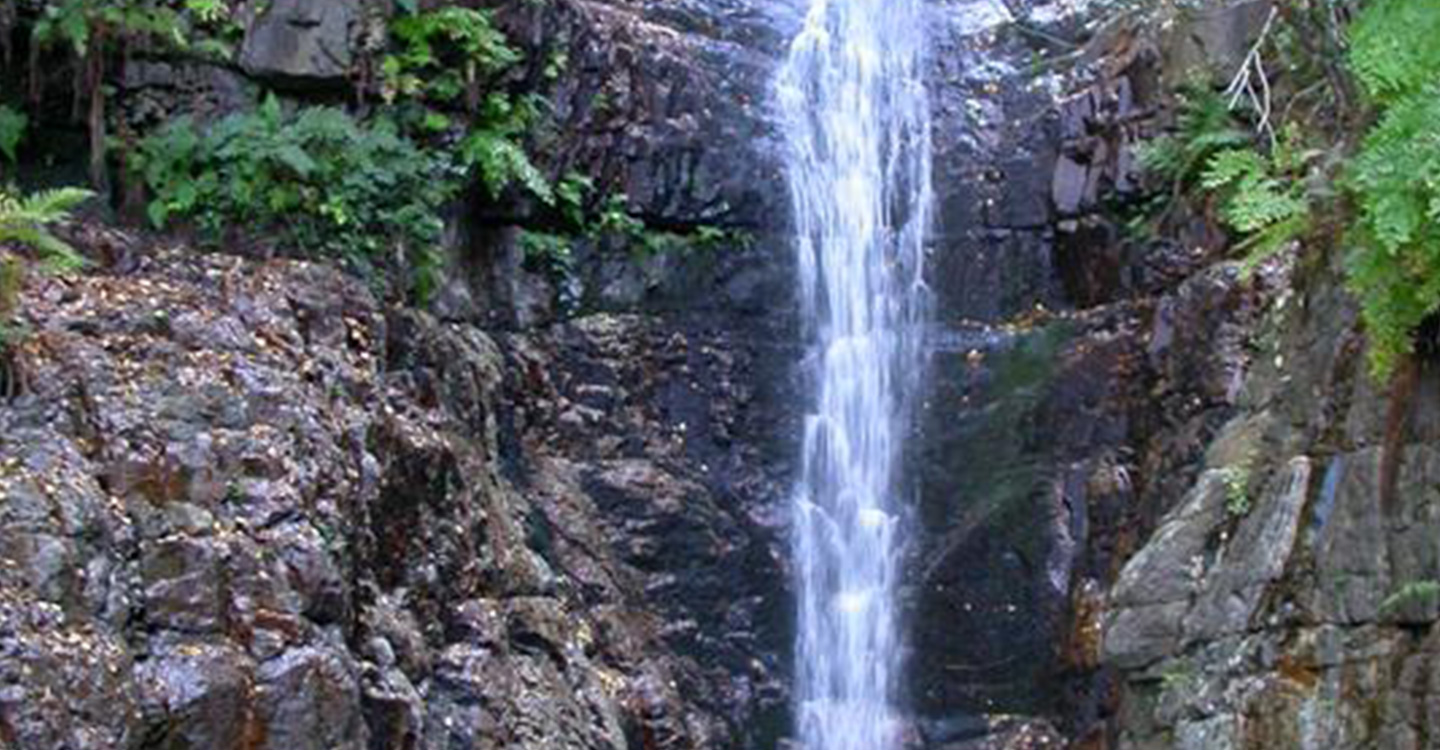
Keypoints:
pixel 1393 50
pixel 571 195
pixel 25 222
pixel 12 130
pixel 550 253
pixel 1237 490
pixel 445 53
pixel 327 182
pixel 1395 178
pixel 91 30
pixel 84 24
pixel 493 151
pixel 1414 592
pixel 450 53
pixel 1204 127
pixel 24 225
pixel 1265 197
pixel 615 219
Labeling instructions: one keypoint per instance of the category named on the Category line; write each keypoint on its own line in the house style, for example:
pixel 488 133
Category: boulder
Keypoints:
pixel 304 42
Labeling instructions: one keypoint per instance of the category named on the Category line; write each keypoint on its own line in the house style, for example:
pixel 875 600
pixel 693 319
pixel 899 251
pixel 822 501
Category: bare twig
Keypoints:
pixel 1251 81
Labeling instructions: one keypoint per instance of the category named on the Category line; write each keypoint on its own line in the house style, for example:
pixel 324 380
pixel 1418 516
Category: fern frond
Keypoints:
pixel 1393 49
pixel 49 206
pixel 23 221
pixel 54 252
pixel 1272 240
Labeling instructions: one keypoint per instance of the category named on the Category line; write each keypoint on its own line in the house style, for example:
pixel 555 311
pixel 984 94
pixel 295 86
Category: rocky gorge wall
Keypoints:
pixel 245 504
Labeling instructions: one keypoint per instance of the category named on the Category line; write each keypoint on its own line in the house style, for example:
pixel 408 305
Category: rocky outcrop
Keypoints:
pixel 1078 378
pixel 304 42
pixel 1285 605
pixel 245 506
pixel 667 103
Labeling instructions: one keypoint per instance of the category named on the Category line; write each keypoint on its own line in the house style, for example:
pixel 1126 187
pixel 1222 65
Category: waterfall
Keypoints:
pixel 856 120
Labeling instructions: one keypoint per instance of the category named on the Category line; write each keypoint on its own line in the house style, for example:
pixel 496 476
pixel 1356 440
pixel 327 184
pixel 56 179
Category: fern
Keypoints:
pixel 1393 49
pixel 327 182
pixel 1395 178
pixel 1205 126
pixel 550 253
pixel 443 53
pixel 25 221
pixel 571 195
pixel 1264 198
pixel 499 161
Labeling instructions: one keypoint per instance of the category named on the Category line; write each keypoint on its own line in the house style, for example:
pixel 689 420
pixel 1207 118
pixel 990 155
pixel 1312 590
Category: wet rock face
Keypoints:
pixel 244 506
pixel 1291 608
pixel 1077 379
pixel 995 151
pixel 668 103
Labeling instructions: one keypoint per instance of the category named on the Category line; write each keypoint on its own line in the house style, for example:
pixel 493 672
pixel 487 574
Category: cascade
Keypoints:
pixel 857 127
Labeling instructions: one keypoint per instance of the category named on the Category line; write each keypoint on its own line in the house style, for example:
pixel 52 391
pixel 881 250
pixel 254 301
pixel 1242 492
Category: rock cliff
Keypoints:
pixel 246 503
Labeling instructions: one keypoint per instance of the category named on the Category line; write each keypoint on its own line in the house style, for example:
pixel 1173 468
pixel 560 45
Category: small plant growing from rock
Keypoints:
pixel 25 222
pixel 25 236
pixel 1237 490
pixel 12 130
pixel 1422 593
pixel 1264 195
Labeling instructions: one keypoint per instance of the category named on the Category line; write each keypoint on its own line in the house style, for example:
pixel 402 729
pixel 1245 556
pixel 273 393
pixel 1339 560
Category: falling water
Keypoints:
pixel 858 129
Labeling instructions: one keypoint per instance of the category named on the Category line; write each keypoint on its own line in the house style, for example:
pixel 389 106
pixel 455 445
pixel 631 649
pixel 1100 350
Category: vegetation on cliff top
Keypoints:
pixel 1395 177
pixel 441 106
pixel 1271 151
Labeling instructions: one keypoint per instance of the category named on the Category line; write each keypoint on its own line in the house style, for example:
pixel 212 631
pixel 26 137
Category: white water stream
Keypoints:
pixel 858 128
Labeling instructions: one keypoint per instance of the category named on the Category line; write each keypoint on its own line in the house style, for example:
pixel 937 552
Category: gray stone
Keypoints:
pixel 198 696
pixel 1154 591
pixel 309 699
pixel 1253 561
pixel 307 42
pixel 1213 39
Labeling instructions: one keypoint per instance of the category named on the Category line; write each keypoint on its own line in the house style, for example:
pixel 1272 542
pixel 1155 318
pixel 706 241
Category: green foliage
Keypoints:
pixel 1414 592
pixel 12 277
pixel 77 23
pixel 25 221
pixel 24 225
pixel 493 151
pixel 1265 197
pixel 208 11
pixel 615 219
pixel 12 130
pixel 329 183
pixel 443 53
pixel 446 54
pixel 1204 127
pixel 1395 178
pixel 176 24
pixel 571 195
pixel 1237 490
pixel 550 253
pixel 1393 49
